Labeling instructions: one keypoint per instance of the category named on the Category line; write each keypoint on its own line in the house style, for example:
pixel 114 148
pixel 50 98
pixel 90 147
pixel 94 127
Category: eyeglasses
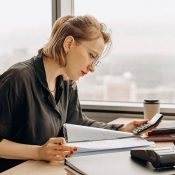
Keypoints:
pixel 96 59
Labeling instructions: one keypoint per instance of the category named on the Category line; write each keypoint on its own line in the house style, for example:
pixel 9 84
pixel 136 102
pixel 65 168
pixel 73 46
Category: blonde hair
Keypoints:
pixel 82 28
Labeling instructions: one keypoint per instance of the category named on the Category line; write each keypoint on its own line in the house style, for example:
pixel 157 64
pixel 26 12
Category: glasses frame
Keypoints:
pixel 96 61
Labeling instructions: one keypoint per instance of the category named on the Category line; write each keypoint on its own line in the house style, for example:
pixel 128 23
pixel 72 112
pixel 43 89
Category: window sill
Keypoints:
pixel 125 108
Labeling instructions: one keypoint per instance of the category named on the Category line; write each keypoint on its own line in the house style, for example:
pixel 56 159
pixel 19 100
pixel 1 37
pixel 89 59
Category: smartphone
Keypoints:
pixel 150 124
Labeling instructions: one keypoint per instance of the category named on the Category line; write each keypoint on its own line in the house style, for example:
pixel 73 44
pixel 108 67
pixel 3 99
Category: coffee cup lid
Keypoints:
pixel 151 101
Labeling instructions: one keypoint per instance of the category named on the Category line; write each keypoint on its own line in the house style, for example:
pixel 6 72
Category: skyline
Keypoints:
pixel 137 80
pixel 141 59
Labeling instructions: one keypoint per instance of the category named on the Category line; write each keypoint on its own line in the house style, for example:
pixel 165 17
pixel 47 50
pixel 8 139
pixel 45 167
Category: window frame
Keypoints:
pixel 112 109
pixel 62 8
pixel 124 109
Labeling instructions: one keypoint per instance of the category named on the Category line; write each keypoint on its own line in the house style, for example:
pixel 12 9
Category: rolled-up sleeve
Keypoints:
pixel 76 116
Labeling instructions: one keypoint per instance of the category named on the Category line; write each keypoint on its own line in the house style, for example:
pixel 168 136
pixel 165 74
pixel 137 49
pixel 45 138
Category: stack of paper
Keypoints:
pixel 90 139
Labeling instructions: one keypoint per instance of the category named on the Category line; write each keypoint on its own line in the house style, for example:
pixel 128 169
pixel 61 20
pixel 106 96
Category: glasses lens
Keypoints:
pixel 97 62
pixel 106 50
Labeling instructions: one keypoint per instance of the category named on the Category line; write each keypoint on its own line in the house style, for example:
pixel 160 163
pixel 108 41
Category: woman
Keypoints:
pixel 39 95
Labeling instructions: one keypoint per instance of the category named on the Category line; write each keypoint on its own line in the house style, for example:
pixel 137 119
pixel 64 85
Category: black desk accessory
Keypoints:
pixel 158 157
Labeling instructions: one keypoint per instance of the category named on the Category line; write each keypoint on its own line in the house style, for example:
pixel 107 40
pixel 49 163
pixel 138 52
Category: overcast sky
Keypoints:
pixel 138 26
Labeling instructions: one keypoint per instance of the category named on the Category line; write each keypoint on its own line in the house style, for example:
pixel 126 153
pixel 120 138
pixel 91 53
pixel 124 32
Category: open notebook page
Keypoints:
pixel 115 144
pixel 78 133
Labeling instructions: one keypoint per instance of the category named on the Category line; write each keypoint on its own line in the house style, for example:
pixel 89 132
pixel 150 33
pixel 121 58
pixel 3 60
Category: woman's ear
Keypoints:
pixel 68 43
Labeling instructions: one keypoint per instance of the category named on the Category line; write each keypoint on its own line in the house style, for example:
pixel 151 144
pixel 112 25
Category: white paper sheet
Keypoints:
pixel 110 144
pixel 77 133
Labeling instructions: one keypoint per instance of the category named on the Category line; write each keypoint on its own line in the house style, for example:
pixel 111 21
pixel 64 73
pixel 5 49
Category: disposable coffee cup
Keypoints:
pixel 151 107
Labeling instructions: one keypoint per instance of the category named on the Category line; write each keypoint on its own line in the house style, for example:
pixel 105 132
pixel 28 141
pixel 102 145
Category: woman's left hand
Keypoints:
pixel 132 125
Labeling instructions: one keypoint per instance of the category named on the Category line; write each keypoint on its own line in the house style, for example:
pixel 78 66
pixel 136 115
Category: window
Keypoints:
pixel 141 63
pixel 25 27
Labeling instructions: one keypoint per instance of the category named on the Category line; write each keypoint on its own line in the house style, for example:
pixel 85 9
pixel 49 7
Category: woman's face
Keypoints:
pixel 82 56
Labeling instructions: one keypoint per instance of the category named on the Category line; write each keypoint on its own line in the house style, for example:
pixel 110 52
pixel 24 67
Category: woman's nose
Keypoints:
pixel 91 68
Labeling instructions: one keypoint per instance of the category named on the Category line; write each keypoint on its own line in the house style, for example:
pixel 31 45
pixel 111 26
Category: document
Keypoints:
pixel 92 143
pixel 115 144
pixel 90 139
pixel 79 133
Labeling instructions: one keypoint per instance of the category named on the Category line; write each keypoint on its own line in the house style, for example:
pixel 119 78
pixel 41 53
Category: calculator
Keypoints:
pixel 150 124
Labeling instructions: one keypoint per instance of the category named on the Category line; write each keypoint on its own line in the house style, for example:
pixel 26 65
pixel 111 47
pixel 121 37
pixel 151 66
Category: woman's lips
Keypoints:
pixel 83 73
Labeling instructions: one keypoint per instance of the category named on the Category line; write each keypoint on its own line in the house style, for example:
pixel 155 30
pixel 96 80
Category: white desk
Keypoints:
pixel 44 168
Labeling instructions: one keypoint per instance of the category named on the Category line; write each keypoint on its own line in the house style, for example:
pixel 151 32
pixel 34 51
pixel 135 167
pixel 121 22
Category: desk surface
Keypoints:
pixel 37 168
pixel 40 167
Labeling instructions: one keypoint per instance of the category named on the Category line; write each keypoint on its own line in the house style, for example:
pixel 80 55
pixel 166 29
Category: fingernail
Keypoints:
pixel 75 149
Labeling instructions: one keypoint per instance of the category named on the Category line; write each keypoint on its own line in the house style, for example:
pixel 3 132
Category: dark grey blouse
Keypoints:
pixel 29 113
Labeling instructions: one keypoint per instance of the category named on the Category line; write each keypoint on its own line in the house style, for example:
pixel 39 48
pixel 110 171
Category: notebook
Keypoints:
pixel 161 135
pixel 90 140
pixel 161 138
pixel 112 163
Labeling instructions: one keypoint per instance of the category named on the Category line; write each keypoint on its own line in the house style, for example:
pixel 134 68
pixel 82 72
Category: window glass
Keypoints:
pixel 25 27
pixel 141 63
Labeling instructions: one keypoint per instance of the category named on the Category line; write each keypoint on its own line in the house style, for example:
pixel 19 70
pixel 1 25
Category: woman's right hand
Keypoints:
pixel 55 149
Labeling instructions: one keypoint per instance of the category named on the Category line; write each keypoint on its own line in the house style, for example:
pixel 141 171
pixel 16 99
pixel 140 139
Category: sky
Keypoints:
pixel 24 24
pixel 137 26
pixel 129 10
